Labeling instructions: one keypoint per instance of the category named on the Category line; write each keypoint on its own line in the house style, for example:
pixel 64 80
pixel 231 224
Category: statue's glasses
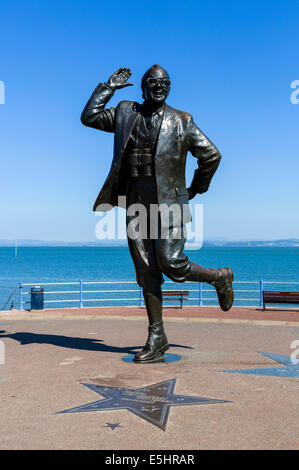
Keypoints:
pixel 164 83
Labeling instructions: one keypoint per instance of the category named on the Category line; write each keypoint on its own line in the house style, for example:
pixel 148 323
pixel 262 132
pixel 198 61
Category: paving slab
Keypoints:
pixel 49 355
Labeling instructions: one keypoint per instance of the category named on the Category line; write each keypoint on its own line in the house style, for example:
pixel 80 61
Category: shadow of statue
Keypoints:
pixel 86 344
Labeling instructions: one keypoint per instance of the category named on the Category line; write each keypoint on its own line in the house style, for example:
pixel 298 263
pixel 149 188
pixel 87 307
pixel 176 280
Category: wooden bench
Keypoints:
pixel 179 295
pixel 276 297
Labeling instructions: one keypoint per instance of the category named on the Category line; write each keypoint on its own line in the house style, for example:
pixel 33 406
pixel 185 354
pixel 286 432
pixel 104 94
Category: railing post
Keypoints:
pixel 261 293
pixel 200 294
pixel 141 298
pixel 81 294
pixel 21 296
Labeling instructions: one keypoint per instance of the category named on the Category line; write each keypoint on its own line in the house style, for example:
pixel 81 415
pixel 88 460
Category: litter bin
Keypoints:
pixel 37 298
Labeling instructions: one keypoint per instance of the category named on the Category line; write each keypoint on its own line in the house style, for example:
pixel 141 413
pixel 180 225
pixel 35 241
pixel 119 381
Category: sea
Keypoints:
pixel 90 276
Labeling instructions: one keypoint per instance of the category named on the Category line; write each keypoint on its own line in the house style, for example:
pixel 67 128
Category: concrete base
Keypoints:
pixel 48 354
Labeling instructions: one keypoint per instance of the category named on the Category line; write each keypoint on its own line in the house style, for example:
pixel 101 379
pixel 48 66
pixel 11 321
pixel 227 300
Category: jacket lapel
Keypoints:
pixel 129 122
pixel 163 131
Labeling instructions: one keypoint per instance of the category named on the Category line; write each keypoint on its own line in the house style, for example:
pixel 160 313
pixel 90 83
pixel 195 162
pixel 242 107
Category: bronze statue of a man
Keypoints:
pixel 151 142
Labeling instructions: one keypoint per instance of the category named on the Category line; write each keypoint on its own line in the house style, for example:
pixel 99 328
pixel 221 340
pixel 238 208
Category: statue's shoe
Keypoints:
pixel 155 346
pixel 224 288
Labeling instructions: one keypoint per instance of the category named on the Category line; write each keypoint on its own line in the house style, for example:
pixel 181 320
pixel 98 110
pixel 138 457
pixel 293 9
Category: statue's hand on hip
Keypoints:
pixel 119 78
pixel 203 187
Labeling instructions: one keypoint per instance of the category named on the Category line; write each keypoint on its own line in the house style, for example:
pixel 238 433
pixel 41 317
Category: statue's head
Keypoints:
pixel 155 85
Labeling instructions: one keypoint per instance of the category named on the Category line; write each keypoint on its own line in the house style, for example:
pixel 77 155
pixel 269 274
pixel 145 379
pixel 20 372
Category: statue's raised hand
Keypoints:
pixel 118 79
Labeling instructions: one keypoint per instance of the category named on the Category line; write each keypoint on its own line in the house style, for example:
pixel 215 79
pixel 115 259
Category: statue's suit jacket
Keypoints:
pixel 178 134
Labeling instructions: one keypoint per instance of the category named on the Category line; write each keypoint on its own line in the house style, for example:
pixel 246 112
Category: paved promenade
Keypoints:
pixel 49 355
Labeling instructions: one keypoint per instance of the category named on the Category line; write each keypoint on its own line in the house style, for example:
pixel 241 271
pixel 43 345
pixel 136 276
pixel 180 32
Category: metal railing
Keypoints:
pixel 80 293
pixel 10 298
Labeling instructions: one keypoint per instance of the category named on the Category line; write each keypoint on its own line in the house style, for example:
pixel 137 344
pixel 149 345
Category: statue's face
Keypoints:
pixel 157 86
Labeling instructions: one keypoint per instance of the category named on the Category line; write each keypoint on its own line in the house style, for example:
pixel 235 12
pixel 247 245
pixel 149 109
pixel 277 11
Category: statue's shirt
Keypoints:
pixel 146 129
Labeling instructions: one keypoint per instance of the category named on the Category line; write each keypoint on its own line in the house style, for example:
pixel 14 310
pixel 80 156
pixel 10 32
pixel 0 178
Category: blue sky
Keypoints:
pixel 231 64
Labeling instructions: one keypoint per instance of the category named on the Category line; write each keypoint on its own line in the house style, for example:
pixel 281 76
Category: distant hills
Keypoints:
pixel 290 242
pixel 62 243
pixel 282 243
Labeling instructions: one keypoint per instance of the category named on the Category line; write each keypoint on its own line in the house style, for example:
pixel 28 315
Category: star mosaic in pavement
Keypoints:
pixel 151 403
pixel 112 426
pixel 290 369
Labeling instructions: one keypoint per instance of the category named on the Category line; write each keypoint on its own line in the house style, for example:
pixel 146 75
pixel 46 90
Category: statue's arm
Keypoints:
pixel 94 114
pixel 208 159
